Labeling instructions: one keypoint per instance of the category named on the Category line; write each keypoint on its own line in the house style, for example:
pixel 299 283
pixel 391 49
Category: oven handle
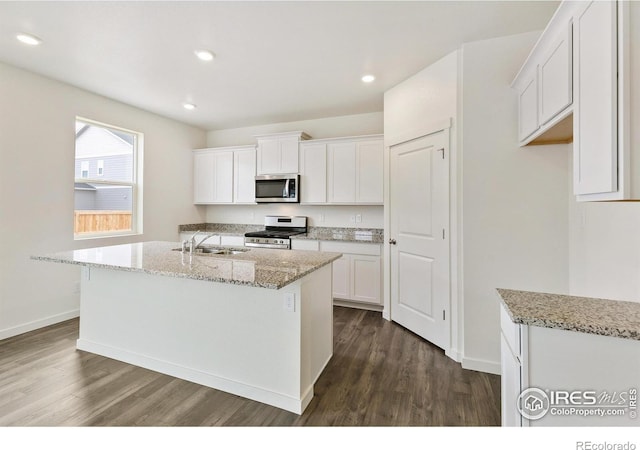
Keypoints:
pixel 275 246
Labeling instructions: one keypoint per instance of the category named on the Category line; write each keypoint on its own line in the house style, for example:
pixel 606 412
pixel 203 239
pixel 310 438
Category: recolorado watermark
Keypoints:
pixel 588 445
pixel 535 403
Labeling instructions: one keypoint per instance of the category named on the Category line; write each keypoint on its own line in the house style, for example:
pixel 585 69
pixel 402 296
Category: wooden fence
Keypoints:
pixel 97 221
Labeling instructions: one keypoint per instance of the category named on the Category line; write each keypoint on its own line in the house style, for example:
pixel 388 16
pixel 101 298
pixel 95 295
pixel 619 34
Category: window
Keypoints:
pixel 84 172
pixel 107 204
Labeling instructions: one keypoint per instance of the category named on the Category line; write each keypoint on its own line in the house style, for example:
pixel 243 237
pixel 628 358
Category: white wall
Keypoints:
pixel 604 242
pixel 342 126
pixel 514 210
pixel 36 189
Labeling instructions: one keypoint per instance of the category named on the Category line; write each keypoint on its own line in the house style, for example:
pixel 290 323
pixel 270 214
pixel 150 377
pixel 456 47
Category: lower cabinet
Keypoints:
pixel 357 275
pixel 567 378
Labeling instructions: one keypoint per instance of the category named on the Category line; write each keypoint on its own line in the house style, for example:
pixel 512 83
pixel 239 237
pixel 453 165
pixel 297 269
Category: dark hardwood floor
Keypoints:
pixel 380 375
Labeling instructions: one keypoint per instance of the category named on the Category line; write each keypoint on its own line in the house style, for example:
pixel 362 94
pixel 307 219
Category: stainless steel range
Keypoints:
pixel 277 232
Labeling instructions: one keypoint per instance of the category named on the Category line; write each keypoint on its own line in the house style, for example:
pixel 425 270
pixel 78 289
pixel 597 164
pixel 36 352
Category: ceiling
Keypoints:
pixel 275 61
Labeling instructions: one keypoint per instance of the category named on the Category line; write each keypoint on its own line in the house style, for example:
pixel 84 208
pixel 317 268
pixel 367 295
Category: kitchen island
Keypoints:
pixel 256 323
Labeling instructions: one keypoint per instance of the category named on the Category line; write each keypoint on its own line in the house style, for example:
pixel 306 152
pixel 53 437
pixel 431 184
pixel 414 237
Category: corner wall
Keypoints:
pixel 37 150
pixel 514 208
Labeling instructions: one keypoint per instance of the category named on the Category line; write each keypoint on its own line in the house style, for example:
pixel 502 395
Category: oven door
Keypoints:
pixel 277 188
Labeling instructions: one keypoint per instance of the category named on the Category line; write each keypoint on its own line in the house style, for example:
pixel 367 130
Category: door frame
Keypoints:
pixel 456 340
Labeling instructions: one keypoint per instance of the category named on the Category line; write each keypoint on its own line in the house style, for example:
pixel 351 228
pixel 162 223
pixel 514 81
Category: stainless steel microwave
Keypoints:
pixel 278 188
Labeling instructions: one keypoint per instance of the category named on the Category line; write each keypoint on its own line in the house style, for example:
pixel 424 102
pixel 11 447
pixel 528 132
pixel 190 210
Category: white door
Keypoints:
pixel 419 237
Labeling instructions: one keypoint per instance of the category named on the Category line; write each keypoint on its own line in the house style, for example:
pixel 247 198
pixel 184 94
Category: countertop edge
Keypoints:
pixel 273 286
pixel 567 324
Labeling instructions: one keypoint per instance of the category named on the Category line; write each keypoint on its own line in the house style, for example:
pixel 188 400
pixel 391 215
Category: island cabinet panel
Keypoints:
pixel 239 339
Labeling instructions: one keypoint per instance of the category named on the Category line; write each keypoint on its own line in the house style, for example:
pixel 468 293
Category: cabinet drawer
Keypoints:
pixel 510 331
pixel 350 247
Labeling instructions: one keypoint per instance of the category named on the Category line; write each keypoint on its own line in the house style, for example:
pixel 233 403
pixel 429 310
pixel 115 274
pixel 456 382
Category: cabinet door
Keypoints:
pixel 365 278
pixel 342 170
pixel 510 385
pixel 595 148
pixel 313 173
pixel 528 108
pixel 369 171
pixel 203 177
pixel 556 83
pixel 223 177
pixel 288 154
pixel 268 157
pixel 341 278
pixel 244 173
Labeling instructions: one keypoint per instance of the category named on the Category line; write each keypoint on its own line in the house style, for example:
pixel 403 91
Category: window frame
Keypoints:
pixel 135 184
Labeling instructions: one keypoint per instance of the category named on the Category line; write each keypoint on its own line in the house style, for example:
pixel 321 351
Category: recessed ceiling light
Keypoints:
pixel 189 106
pixel 368 78
pixel 28 39
pixel 204 55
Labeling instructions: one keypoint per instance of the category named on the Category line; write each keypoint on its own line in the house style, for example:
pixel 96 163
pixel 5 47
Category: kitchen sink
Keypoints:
pixel 214 251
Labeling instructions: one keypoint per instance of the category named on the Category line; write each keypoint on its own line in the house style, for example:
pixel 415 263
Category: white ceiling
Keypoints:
pixel 276 61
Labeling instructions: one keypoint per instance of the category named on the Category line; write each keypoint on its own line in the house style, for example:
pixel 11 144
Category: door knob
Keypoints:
pixel 392 241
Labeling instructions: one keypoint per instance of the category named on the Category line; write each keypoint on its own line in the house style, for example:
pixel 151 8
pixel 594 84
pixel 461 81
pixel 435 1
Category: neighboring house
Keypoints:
pixel 106 154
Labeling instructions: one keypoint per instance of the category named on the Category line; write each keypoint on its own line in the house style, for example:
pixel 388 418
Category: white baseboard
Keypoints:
pixel 481 365
pixel 357 305
pixel 286 402
pixel 40 323
pixel 454 354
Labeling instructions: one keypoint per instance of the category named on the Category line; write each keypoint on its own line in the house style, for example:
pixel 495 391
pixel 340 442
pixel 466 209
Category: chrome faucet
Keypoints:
pixel 191 242
pixel 210 235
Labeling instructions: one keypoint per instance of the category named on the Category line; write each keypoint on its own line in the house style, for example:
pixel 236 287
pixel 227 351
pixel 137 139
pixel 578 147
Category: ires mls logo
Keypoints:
pixel 535 403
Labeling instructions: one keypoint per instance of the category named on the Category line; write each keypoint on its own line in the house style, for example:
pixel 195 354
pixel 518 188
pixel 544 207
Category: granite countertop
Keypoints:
pixel 265 268
pixel 584 314
pixel 369 235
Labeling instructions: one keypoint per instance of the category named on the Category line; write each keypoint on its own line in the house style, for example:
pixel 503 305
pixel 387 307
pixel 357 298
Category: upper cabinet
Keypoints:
pixel 224 175
pixel 346 171
pixel 545 84
pixel 591 101
pixel 595 114
pixel 278 153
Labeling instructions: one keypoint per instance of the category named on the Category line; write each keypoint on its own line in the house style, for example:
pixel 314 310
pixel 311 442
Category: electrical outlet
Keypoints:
pixel 358 218
pixel 321 218
pixel 289 302
pixel 352 218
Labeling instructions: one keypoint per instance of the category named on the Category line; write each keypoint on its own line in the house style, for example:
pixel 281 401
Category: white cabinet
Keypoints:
pixel 213 177
pixel 512 369
pixel 244 175
pixel 278 153
pixel 355 170
pixel 357 275
pixel 224 175
pixel 595 146
pixel 544 84
pixel 528 108
pixel 555 76
pixel 313 172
